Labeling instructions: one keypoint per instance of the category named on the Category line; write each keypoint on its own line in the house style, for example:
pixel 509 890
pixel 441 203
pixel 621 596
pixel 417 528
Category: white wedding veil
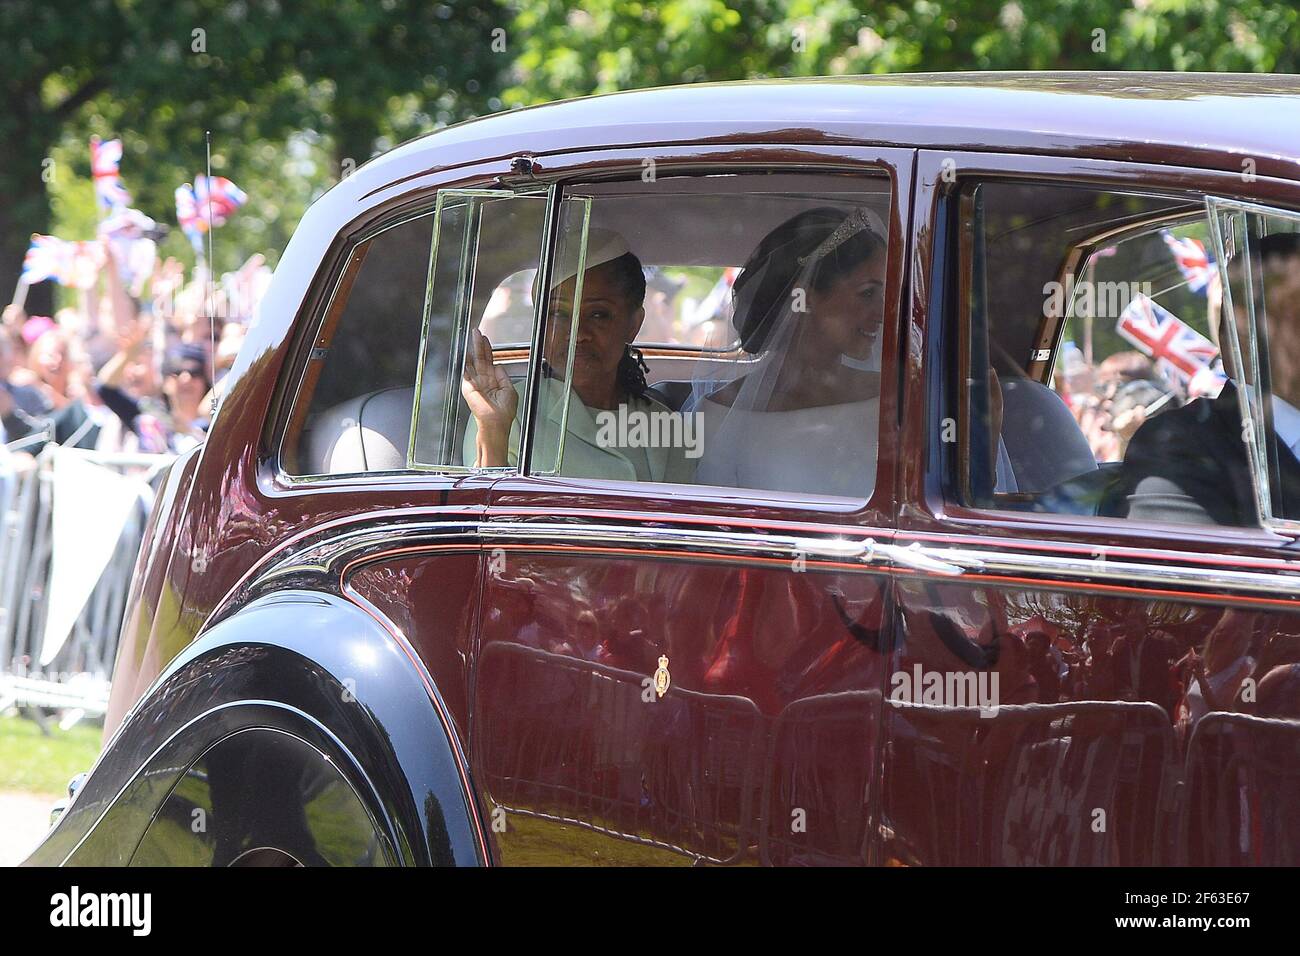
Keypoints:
pixel 790 410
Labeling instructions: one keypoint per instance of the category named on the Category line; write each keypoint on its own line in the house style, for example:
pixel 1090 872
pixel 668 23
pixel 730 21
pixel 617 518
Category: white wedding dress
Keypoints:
pixel 828 450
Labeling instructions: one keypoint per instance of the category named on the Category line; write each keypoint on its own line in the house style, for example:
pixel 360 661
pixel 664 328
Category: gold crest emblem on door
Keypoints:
pixel 662 678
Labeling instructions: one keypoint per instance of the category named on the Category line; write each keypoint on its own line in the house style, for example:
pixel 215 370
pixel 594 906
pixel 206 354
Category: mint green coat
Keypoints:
pixel 584 455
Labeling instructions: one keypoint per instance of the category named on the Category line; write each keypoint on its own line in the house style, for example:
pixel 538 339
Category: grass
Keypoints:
pixel 31 761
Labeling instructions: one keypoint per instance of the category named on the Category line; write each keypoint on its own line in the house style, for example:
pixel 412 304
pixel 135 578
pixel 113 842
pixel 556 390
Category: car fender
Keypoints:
pixel 309 665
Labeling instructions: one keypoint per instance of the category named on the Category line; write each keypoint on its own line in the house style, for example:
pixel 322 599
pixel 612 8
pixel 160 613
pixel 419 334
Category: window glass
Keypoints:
pixel 1095 381
pixel 485 387
pixel 354 402
pixel 686 307
pixel 1119 359
pixel 403 323
pixel 508 316
pixel 775 283
pixel 1259 252
pixel 481 239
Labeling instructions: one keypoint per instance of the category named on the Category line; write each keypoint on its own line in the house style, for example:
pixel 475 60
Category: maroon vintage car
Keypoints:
pixel 915 482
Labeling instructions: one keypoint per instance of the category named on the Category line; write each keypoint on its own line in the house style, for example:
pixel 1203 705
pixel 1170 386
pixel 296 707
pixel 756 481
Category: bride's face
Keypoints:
pixel 847 317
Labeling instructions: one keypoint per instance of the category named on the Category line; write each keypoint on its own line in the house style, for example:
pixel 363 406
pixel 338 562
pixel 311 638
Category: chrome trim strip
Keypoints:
pixel 1282 585
pixel 329 555
pixel 727 542
pixel 285 482
pixel 929 560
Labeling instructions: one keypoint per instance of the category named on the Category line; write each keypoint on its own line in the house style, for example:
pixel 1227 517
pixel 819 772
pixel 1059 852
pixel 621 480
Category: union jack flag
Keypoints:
pixel 1208 382
pixel 187 214
pixel 1194 262
pixel 1177 348
pixel 105 158
pixel 74 264
pixel 224 196
pixel 218 198
pixel 46 258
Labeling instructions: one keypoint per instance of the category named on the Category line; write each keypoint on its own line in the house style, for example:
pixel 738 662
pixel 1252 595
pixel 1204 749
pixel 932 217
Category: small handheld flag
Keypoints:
pixel 224 196
pixel 105 160
pixel 187 214
pixel 73 264
pixel 193 203
pixel 1197 266
pixel 45 259
pixel 1177 347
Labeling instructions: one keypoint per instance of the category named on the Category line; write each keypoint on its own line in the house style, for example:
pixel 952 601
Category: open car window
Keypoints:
pixel 1098 377
pixel 1257 286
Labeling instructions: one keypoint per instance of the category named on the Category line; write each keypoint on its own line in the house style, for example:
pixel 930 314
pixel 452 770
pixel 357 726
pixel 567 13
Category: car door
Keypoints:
pixel 680 673
pixel 394 327
pixel 1128 602
pixel 378 523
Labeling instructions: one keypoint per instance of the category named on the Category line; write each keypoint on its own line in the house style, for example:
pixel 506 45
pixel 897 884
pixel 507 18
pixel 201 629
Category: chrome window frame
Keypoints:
pixel 1252 406
pixel 551 193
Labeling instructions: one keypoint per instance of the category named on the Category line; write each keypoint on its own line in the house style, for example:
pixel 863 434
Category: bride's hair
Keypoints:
pixel 804 246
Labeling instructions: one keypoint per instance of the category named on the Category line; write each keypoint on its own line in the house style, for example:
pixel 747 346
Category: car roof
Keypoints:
pixel 1223 118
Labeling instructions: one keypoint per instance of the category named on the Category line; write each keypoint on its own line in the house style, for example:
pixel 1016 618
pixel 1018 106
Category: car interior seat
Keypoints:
pixel 674 394
pixel 366 433
pixel 1044 455
pixel 371 432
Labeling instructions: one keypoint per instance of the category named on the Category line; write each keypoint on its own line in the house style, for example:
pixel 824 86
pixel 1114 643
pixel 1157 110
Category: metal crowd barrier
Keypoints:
pixel 76 680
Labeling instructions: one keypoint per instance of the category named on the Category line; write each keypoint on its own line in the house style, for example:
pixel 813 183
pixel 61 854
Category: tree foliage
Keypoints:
pixel 611 45
pixel 294 92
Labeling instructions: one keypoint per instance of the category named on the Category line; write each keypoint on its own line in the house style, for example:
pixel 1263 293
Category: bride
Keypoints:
pixel 809 306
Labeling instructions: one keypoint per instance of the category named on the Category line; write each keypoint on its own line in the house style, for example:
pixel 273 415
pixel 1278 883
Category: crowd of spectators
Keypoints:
pixel 136 365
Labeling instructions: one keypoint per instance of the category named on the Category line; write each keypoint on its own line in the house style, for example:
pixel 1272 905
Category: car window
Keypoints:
pixel 354 403
pixel 481 238
pixel 382 388
pixel 1095 381
pixel 776 283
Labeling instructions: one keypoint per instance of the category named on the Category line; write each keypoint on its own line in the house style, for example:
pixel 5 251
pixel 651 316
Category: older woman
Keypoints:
pixel 607 376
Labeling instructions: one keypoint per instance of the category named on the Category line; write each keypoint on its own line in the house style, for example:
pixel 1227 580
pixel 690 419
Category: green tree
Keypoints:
pixel 622 44
pixel 292 90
